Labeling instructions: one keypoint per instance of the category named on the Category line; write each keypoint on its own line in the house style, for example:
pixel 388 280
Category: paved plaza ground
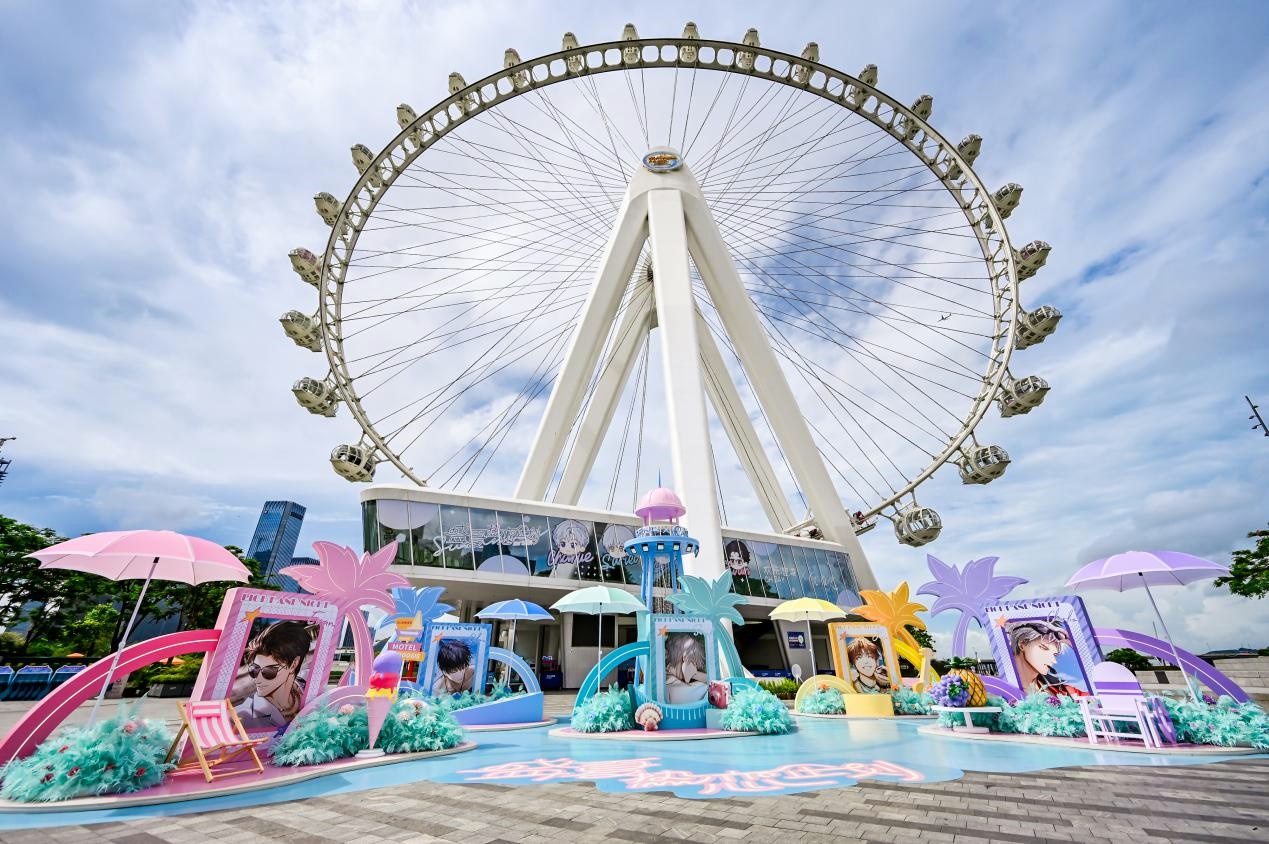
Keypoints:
pixel 1220 802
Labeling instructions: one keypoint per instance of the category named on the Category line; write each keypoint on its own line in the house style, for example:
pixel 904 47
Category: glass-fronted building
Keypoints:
pixel 486 549
pixel 273 543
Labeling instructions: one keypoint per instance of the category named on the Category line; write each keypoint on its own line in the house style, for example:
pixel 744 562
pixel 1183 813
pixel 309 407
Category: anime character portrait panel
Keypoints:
pixel 1043 658
pixel 684 665
pixel 456 658
pixel 864 657
pixel 270 684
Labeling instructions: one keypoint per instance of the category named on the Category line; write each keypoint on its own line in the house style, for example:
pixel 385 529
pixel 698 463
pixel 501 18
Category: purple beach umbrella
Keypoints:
pixel 1143 569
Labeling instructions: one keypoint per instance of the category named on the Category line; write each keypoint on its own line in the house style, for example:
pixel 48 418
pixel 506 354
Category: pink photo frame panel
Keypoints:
pixel 241 608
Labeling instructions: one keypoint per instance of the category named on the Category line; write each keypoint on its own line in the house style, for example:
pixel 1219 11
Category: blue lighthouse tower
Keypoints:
pixel 660 545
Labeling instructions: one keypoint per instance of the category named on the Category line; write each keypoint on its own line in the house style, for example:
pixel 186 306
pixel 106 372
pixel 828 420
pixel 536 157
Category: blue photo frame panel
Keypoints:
pixel 449 646
pixel 1009 623
pixel 681 639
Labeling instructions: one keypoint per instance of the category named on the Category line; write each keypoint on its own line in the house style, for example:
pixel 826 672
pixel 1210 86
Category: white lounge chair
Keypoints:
pixel 1117 699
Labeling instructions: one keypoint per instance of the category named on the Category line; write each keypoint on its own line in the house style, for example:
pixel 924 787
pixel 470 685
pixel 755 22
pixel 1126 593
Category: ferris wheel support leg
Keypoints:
pixel 690 449
pixel 740 431
pixel 614 374
pixel 562 408
pixel 746 331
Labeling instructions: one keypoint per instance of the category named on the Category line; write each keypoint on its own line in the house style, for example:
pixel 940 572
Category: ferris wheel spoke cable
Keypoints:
pixel 608 173
pixel 724 410
pixel 564 330
pixel 489 370
pixel 438 410
pixel 940 437
pixel 614 339
pixel 726 343
pixel 863 239
pixel 590 93
pixel 506 420
pixel 485 272
pixel 550 294
pixel 499 323
pixel 624 440
pixel 802 321
pixel 544 381
pixel 841 121
pixel 814 272
pixel 850 164
pixel 566 184
pixel 807 373
pixel 547 105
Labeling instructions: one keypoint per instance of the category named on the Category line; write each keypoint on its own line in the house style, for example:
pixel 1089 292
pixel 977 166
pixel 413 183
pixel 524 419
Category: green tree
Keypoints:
pixel 21 581
pixel 923 637
pixel 1249 572
pixel 1129 659
pixel 91 633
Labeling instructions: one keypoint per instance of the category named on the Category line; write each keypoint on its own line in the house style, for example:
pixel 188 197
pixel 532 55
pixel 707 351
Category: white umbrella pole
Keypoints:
pixel 1163 624
pixel 600 649
pixel 810 645
pixel 123 643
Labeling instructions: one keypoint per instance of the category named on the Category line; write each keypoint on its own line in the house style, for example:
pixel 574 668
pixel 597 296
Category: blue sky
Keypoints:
pixel 160 160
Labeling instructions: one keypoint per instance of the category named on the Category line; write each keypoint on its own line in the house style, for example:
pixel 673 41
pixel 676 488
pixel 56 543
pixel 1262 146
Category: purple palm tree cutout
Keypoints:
pixel 969 590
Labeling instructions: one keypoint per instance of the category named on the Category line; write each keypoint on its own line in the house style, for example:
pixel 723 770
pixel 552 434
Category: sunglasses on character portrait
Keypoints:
pixel 270 672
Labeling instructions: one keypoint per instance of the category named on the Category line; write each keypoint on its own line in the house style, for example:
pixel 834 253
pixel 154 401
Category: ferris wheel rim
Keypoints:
pixel 455 110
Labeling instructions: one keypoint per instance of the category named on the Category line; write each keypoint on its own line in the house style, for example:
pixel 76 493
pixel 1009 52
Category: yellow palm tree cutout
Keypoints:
pixel 893 610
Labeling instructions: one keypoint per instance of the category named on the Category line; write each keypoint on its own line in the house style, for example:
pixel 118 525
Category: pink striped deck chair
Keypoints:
pixel 216 736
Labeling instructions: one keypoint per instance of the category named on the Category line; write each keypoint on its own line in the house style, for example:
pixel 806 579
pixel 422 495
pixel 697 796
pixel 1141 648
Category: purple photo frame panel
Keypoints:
pixel 1067 609
pixel 239 610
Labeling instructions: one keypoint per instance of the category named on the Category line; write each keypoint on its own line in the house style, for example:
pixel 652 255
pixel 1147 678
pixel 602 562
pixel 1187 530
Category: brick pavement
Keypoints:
pixel 1226 803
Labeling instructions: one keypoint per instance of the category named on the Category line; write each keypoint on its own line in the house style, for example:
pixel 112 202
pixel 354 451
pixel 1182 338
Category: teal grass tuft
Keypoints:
pixel 605 712
pixel 118 755
pixel 757 710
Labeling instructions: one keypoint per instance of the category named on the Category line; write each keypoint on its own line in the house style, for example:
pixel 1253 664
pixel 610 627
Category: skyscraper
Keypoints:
pixel 274 540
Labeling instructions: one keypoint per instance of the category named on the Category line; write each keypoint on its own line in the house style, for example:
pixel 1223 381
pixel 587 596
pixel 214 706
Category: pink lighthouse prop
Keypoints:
pixel 660 545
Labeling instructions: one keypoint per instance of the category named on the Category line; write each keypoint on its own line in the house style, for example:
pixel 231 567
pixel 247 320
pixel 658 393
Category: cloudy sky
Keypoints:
pixel 160 161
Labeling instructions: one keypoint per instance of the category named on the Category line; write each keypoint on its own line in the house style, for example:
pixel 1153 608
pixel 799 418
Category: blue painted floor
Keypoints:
pixel 821 754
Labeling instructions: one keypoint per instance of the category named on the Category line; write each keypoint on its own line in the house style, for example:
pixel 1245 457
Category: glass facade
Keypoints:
pixel 273 543
pixel 512 543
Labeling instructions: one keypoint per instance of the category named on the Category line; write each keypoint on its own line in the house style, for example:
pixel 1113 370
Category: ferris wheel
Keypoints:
pixel 459 278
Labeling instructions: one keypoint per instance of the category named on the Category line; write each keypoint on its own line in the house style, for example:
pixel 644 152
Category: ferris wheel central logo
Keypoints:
pixel 662 162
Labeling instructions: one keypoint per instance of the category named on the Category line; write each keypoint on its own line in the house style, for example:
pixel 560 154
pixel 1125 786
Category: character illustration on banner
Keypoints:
pixel 454 668
pixel 868 675
pixel 614 541
pixel 737 558
pixel 570 538
pixel 686 675
pixel 274 663
pixel 1037 647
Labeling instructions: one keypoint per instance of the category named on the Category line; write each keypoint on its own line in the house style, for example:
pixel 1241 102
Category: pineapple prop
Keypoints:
pixel 962 667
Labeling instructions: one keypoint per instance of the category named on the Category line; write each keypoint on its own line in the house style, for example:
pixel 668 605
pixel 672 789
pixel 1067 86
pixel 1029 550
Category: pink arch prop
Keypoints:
pixel 57 705
pixel 1110 638
pixel 335 698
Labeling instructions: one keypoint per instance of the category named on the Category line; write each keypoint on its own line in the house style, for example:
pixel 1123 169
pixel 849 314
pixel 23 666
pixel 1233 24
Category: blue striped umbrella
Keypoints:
pixel 513 611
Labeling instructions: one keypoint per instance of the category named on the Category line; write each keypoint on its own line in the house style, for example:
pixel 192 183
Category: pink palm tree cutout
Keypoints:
pixel 351 584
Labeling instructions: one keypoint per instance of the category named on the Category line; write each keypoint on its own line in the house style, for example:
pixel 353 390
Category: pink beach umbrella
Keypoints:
pixel 142 555
pixel 1143 569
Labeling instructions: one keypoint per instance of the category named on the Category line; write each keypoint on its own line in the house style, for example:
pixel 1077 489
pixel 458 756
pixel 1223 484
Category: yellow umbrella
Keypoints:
pixel 808 610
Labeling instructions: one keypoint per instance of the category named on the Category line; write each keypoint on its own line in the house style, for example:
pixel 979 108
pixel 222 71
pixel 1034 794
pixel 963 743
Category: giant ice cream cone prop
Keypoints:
pixel 380 697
